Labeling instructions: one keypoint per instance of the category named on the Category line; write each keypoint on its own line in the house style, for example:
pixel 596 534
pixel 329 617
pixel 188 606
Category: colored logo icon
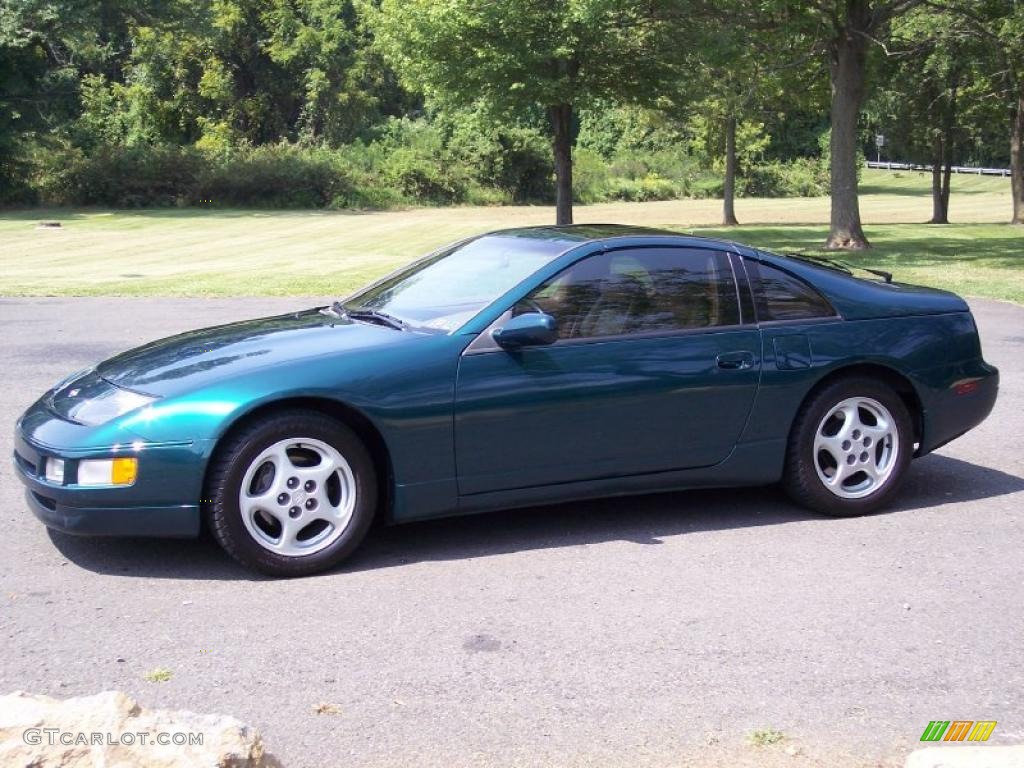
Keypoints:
pixel 958 730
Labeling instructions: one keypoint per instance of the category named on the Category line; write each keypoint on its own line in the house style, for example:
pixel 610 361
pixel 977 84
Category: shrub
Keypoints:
pixel 647 188
pixel 590 179
pixel 412 157
pixel 512 159
pixel 707 185
pixel 798 178
pixel 15 180
pixel 411 161
pixel 420 176
pixel 121 177
pixel 276 176
pixel 520 163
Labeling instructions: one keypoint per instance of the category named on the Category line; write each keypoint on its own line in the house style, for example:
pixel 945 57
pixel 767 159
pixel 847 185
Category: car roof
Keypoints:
pixel 852 296
pixel 573 235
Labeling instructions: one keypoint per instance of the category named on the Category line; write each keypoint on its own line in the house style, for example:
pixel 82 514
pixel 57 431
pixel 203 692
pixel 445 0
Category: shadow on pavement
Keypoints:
pixel 933 481
pixel 200 558
pixel 936 480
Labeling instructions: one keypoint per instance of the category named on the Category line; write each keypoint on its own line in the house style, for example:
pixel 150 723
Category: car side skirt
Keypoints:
pixel 749 464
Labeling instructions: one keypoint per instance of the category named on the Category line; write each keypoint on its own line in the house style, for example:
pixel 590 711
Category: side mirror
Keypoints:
pixel 531 329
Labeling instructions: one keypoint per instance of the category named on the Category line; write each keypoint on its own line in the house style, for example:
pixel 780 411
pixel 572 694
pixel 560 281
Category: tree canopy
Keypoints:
pixel 379 102
pixel 520 54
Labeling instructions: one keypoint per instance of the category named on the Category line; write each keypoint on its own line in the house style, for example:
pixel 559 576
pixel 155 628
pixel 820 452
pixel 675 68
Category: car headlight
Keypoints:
pixel 98 472
pixel 108 405
pixel 55 471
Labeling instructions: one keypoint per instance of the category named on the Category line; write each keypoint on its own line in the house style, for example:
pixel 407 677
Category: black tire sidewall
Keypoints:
pixel 801 477
pixel 231 464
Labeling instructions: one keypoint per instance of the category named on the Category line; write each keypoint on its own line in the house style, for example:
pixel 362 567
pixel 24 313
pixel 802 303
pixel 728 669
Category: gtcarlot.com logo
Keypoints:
pixel 55 736
pixel 958 730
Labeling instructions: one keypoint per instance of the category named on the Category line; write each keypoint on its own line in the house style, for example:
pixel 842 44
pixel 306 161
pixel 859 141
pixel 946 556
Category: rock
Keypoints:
pixel 111 730
pixel 967 757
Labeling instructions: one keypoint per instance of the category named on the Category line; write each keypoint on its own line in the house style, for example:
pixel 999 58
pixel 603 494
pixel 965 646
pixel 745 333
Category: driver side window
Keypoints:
pixel 640 290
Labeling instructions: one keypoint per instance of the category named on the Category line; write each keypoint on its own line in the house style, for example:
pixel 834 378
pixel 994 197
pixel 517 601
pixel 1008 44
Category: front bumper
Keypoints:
pixel 160 522
pixel 163 501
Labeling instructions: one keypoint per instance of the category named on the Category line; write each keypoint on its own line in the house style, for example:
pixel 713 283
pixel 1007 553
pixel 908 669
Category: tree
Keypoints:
pixel 323 45
pixel 738 69
pixel 998 25
pixel 222 72
pixel 932 71
pixel 728 77
pixel 849 27
pixel 84 49
pixel 1006 34
pixel 518 54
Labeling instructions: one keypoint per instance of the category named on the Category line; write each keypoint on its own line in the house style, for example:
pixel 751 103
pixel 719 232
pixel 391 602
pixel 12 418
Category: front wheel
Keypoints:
pixel 292 494
pixel 849 448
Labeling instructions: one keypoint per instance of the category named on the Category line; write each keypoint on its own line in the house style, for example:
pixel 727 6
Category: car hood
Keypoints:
pixel 197 358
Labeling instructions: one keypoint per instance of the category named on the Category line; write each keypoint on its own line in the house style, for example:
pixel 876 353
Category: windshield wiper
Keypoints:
pixel 335 309
pixel 373 316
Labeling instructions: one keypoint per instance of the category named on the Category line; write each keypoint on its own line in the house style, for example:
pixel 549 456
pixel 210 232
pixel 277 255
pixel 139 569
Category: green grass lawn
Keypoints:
pixel 235 253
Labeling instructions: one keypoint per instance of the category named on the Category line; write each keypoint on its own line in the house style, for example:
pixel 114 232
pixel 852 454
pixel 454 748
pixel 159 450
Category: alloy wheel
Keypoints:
pixel 297 497
pixel 856 447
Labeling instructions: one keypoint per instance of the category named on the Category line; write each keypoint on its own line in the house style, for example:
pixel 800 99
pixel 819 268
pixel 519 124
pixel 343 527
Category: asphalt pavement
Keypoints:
pixel 658 630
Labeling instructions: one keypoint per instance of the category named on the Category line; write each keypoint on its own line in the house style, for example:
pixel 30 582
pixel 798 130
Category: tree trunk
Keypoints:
pixel 561 142
pixel 938 213
pixel 1017 161
pixel 947 175
pixel 848 62
pixel 729 188
pixel 942 171
pixel 942 162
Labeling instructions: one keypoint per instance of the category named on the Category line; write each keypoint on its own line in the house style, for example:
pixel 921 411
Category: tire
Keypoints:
pixel 849 448
pixel 292 494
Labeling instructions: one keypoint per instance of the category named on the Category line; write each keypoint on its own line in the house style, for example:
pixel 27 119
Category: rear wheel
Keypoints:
pixel 849 448
pixel 293 494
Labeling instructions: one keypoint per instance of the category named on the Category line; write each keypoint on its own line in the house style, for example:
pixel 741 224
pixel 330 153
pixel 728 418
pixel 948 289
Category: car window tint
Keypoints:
pixel 779 295
pixel 642 290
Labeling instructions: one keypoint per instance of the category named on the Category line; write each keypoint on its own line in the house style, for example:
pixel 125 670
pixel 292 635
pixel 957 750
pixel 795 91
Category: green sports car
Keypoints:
pixel 515 368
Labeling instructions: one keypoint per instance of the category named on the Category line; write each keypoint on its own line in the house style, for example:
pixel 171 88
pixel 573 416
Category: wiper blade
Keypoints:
pixel 375 316
pixel 335 309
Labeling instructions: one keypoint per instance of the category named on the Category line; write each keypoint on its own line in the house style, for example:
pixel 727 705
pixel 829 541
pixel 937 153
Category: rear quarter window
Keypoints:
pixel 779 295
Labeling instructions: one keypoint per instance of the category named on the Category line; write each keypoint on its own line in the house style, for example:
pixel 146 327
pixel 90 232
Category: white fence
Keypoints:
pixel 955 168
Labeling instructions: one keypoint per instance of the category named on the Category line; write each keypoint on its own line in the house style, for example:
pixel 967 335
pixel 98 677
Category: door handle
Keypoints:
pixel 735 361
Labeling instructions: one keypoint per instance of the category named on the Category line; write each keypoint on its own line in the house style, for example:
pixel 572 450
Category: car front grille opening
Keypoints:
pixel 25 464
pixel 47 502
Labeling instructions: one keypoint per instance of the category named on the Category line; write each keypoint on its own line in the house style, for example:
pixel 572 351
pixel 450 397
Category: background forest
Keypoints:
pixel 376 104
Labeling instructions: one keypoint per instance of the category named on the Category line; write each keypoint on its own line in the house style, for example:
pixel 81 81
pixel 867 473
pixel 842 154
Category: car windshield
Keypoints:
pixel 446 289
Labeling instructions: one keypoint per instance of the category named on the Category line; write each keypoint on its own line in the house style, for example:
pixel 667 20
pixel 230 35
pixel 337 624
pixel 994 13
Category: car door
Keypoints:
pixel 653 370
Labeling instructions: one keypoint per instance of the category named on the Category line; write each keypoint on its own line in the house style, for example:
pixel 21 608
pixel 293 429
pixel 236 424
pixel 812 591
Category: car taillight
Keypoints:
pixel 966 387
